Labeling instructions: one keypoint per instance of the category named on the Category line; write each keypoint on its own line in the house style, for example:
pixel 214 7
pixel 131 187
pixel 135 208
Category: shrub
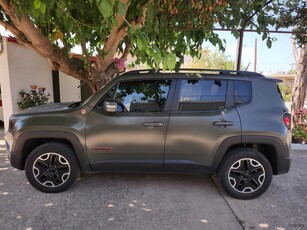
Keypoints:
pixel 36 96
pixel 299 134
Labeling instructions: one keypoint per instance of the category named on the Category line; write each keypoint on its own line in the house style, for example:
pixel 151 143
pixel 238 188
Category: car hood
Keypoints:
pixel 54 107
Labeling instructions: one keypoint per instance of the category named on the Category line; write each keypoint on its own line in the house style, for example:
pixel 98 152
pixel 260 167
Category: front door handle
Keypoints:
pixel 153 124
pixel 223 124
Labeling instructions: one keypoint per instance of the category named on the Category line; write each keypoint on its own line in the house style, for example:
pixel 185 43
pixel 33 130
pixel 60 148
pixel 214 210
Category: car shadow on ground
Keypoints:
pixel 115 201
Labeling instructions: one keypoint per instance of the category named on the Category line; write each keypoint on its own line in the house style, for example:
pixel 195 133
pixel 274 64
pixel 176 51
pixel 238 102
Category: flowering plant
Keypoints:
pixel 301 117
pixel 300 131
pixel 119 64
pixel 36 96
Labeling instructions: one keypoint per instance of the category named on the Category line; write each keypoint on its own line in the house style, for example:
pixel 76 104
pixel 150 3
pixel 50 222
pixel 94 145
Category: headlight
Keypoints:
pixel 11 124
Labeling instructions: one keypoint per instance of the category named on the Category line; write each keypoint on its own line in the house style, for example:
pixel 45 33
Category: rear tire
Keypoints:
pixel 52 167
pixel 245 173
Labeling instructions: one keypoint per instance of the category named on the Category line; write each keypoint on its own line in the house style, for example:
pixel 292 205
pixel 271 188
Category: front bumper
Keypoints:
pixel 7 149
pixel 15 159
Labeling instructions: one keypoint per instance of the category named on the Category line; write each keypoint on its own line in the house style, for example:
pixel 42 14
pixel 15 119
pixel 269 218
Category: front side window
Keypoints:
pixel 143 95
pixel 202 95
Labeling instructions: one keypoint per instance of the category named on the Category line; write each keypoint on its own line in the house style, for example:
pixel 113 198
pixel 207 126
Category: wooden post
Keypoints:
pixel 239 50
pixel 255 56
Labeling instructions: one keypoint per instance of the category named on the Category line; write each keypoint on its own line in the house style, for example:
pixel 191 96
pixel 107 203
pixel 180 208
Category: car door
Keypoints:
pixel 203 116
pixel 133 138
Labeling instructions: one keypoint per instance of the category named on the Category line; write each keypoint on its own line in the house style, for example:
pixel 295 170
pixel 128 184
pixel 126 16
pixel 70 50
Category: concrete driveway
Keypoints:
pixel 131 201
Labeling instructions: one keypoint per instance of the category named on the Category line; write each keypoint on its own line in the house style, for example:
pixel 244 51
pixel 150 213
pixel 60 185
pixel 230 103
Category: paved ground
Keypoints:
pixel 283 206
pixel 122 201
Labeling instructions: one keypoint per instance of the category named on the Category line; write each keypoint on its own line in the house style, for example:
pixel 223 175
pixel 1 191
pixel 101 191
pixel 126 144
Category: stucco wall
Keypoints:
pixel 19 68
pixel 27 68
pixel 5 84
pixel 69 88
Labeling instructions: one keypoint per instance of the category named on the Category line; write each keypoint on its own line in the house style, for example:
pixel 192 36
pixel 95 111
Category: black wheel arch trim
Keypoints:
pixel 282 150
pixel 222 150
pixel 17 158
pixel 283 159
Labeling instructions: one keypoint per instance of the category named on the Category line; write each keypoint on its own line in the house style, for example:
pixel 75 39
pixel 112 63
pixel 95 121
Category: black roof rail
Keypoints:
pixel 188 70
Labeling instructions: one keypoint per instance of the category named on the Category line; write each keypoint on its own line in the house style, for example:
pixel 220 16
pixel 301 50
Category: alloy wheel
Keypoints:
pixel 51 169
pixel 246 175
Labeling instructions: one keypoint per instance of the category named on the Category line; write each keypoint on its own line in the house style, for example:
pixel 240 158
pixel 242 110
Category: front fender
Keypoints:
pixel 18 156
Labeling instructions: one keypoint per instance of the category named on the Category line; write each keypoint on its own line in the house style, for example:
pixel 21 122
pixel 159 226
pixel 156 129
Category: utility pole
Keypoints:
pixel 255 56
pixel 239 50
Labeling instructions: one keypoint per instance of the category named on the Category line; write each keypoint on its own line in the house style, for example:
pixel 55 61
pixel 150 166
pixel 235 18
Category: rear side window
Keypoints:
pixel 202 95
pixel 242 92
pixel 281 96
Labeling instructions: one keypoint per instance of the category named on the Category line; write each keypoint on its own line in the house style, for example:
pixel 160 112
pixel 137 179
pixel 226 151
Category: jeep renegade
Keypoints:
pixel 233 123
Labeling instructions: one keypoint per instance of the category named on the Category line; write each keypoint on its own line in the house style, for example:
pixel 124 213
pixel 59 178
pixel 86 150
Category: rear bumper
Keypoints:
pixel 284 158
pixel 283 165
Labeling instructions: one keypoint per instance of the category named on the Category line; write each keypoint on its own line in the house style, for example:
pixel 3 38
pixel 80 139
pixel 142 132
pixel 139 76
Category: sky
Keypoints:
pixel 269 61
pixel 279 58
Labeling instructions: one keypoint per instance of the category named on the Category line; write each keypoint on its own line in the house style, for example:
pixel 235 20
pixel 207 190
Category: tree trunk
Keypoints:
pixel 300 82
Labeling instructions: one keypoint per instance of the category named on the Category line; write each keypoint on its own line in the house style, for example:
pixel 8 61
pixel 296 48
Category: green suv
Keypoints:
pixel 233 123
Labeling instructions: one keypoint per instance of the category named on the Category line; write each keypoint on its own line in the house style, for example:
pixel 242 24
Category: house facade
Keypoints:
pixel 21 67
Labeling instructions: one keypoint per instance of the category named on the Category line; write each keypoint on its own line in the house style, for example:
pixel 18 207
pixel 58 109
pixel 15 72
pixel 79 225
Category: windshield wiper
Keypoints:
pixel 75 104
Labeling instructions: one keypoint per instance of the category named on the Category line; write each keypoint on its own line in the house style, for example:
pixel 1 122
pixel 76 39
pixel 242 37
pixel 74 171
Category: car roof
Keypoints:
pixel 193 73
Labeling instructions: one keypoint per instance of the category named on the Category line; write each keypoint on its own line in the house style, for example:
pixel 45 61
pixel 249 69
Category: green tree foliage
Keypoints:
pixel 212 60
pixel 292 14
pixel 155 32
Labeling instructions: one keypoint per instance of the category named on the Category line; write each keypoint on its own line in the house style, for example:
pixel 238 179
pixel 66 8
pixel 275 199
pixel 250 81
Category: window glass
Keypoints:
pixel 143 96
pixel 280 94
pixel 242 92
pixel 202 95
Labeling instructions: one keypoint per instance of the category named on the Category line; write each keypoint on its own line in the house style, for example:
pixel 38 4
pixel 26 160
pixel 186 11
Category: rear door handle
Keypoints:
pixel 153 124
pixel 223 124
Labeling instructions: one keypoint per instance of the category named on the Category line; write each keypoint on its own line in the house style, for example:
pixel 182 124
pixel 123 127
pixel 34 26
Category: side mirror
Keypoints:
pixel 110 106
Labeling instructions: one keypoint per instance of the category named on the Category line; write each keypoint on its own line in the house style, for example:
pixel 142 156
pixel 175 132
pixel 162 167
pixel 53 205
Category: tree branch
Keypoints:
pixel 84 52
pixel 139 22
pixel 17 33
pixel 10 28
pixel 256 11
pixel 20 37
pixel 116 29
pixel 302 53
pixel 41 44
pixel 127 50
pixel 117 34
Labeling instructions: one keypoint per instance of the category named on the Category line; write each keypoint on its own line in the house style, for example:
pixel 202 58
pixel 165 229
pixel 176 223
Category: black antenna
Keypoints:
pixel 247 66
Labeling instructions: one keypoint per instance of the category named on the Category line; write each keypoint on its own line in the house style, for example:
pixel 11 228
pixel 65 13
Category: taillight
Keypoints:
pixel 0 102
pixel 287 120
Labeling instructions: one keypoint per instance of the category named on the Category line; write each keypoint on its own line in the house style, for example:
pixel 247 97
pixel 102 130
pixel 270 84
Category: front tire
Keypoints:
pixel 245 173
pixel 52 167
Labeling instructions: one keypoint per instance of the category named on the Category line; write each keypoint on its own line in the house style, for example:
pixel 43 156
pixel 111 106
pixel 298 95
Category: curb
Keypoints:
pixel 299 147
